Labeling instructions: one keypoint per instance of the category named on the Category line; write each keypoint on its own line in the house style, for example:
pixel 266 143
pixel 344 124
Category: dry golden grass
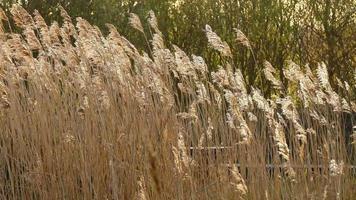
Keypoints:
pixel 88 116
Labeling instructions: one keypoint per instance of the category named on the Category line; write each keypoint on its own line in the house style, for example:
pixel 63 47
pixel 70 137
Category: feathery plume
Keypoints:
pixel 230 121
pixel 323 76
pixel 208 135
pixel 293 72
pixel 3 15
pixel 183 150
pixel 191 115
pixel 237 181
pixel 54 32
pixel 282 148
pixel 241 38
pixel 42 26
pixel 269 72
pixel 200 65
pixel 303 94
pixel 21 17
pixel 261 102
pixel 240 81
pixel 347 86
pixel 220 78
pixel 216 43
pixel 135 22
pixel 202 93
pixel 64 14
pixel 333 99
pixel 336 169
pixel 215 95
pixel 280 140
pixel 152 20
pixel 31 39
pixel 157 42
pixel 345 105
pixel 68 28
pixel 184 66
pixel 141 194
pixel 251 117
pixel 353 136
pixel 4 102
pixel 288 108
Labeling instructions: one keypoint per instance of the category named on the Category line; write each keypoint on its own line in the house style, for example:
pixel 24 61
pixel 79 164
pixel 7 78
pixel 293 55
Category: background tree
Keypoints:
pixel 306 32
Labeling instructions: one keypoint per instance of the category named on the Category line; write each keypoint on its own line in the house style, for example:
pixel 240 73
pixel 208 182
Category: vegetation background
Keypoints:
pixel 306 32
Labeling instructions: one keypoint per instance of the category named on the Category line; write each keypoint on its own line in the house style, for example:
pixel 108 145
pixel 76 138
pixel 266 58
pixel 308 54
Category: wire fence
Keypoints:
pixel 271 166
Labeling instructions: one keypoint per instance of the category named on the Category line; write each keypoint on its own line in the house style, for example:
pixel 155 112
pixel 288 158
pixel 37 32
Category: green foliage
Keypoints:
pixel 302 31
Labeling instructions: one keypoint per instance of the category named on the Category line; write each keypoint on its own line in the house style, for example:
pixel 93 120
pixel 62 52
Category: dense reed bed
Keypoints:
pixel 88 116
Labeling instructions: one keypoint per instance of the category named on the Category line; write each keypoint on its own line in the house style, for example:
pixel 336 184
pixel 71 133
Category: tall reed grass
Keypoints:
pixel 88 116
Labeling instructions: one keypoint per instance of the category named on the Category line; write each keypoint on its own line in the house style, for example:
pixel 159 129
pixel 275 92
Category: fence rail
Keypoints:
pixel 270 166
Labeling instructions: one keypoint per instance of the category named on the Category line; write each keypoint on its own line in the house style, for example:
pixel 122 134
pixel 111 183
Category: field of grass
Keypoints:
pixel 88 116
